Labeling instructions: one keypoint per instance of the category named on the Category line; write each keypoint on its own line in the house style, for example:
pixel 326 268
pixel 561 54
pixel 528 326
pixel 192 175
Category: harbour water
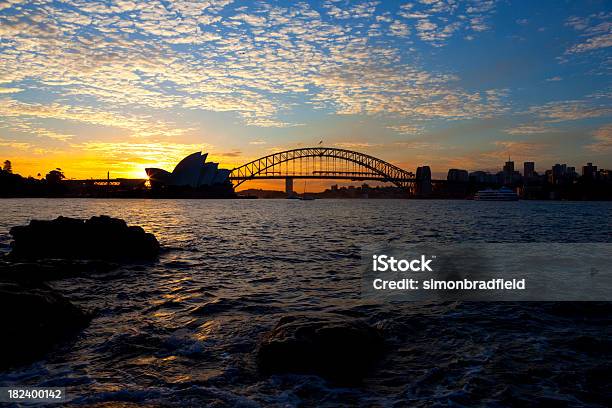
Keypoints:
pixel 183 331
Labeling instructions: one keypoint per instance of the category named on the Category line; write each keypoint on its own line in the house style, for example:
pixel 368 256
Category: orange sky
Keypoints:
pixel 118 88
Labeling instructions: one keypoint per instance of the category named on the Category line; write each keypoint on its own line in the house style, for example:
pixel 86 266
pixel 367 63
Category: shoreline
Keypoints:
pixel 239 197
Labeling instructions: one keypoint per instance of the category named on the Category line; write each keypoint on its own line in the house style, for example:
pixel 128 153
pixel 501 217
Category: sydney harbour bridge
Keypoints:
pixel 321 163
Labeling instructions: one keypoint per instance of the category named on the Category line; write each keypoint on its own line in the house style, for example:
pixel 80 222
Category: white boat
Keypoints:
pixel 503 194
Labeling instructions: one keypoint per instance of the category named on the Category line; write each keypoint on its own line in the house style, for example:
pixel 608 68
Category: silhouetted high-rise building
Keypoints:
pixel 561 173
pixel 558 171
pixel 589 171
pixel 528 170
pixel 508 172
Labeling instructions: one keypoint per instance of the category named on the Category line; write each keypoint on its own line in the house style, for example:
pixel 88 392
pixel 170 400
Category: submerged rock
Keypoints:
pixel 100 237
pixel 333 347
pixel 35 318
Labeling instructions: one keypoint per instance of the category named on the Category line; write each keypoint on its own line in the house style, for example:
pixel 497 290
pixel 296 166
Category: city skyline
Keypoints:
pixel 95 86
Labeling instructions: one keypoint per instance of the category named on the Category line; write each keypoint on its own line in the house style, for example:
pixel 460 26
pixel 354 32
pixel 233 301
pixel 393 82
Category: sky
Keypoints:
pixel 97 86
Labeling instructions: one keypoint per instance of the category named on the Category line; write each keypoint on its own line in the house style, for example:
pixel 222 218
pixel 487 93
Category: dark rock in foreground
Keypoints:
pixel 35 319
pixel 333 347
pixel 100 237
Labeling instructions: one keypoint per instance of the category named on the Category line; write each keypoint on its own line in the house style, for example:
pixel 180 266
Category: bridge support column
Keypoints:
pixel 289 187
pixel 423 181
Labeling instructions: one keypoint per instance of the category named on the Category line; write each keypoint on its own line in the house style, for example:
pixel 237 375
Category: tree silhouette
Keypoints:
pixel 8 166
pixel 55 176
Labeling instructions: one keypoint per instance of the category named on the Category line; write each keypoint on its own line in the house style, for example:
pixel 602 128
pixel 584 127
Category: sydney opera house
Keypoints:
pixel 191 172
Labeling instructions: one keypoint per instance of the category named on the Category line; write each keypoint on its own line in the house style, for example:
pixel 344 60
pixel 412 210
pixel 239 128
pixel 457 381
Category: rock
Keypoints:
pixel 35 318
pixel 100 237
pixel 336 348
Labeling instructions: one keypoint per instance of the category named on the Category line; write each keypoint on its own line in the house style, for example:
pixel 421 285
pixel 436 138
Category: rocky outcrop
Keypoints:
pixel 100 237
pixel 35 318
pixel 331 346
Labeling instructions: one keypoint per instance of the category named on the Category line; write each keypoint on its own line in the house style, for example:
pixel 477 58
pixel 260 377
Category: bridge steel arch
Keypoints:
pixel 377 169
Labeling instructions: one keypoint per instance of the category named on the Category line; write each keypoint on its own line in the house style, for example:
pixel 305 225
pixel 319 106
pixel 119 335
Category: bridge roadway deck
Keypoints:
pixel 321 177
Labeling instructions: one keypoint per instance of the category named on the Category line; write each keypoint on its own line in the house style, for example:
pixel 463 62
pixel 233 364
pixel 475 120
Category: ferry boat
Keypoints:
pixel 503 194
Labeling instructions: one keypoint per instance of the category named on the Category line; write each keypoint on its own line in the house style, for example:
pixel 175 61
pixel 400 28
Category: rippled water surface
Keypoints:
pixel 184 330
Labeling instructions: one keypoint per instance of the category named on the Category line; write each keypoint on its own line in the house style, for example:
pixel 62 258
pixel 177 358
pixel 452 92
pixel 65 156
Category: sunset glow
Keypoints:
pixel 95 86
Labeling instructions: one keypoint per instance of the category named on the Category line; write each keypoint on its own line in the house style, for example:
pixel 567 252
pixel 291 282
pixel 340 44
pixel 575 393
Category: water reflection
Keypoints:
pixel 184 329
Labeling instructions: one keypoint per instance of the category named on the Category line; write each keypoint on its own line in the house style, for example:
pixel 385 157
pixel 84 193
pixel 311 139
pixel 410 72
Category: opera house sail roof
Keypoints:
pixel 192 171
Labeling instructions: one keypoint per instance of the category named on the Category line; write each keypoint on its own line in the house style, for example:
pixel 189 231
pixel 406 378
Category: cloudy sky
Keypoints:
pixel 97 86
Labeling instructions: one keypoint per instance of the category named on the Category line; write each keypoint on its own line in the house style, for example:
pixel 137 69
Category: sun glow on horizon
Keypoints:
pixel 119 86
